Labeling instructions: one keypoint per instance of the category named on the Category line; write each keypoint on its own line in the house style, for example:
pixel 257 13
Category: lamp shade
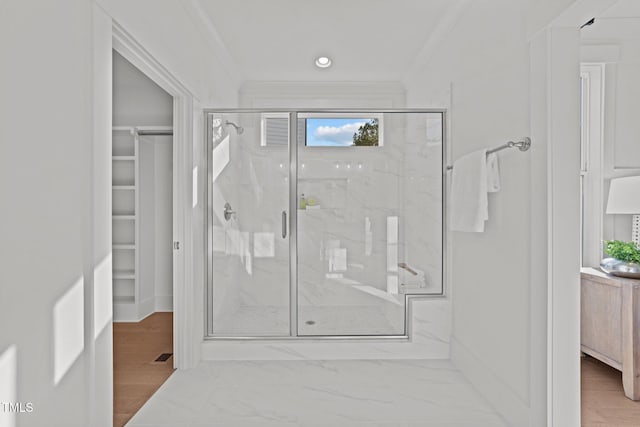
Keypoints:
pixel 624 196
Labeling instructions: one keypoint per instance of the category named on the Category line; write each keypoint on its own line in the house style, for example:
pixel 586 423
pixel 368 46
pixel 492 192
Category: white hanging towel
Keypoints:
pixel 493 173
pixel 473 175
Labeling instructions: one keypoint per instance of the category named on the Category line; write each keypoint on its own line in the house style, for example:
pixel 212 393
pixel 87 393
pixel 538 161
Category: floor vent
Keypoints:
pixel 163 357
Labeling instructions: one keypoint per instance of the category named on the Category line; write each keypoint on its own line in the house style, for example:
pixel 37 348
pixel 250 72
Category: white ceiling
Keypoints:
pixel 619 22
pixel 623 9
pixel 278 40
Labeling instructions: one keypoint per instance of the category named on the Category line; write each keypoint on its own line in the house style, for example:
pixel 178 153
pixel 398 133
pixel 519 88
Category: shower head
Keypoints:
pixel 239 129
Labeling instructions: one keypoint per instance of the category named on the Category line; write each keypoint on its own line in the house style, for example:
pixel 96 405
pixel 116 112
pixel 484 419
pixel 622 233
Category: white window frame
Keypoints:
pixel 367 115
pixel 361 115
pixel 591 166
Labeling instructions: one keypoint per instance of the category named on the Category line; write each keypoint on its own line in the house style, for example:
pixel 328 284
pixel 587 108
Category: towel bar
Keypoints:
pixel 523 145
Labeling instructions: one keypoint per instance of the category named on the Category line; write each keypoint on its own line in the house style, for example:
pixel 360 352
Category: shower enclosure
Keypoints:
pixel 322 223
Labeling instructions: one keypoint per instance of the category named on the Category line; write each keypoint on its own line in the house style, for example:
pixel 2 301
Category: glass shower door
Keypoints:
pixel 328 236
pixel 248 289
pixel 369 219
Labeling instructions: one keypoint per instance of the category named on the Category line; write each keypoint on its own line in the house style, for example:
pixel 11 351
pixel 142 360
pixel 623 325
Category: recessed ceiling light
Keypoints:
pixel 323 62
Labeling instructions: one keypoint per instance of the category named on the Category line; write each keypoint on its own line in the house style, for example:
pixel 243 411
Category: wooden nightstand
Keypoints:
pixel 610 324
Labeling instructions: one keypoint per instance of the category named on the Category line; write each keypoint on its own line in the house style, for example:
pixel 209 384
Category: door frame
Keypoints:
pixel 185 354
pixel 554 82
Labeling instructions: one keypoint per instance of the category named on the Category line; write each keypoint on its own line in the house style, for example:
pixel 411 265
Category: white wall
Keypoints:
pixel 485 86
pixel 163 173
pixel 626 151
pixel 54 137
pixel 541 12
pixel 156 224
pixel 146 228
pixel 621 127
pixel 55 126
pixel 137 100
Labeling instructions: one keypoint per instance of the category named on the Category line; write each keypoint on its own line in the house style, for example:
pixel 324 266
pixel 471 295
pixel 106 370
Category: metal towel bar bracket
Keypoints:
pixel 523 145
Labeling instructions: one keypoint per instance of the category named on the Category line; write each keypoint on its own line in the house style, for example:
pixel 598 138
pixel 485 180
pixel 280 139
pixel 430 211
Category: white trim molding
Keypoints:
pixel 592 132
pixel 555 196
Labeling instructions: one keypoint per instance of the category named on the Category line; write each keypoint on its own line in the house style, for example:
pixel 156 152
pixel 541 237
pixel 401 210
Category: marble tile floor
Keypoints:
pixel 340 393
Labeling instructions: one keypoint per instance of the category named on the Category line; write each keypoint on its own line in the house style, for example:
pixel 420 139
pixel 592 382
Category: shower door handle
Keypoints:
pixel 284 224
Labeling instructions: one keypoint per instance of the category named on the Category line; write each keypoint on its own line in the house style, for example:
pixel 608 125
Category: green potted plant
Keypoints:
pixel 624 259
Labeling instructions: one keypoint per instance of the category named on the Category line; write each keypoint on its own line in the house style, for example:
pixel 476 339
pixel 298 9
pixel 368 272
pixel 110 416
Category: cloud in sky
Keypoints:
pixel 340 135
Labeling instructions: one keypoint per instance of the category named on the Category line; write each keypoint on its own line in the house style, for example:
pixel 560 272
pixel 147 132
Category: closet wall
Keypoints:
pixel 139 103
pixel 137 100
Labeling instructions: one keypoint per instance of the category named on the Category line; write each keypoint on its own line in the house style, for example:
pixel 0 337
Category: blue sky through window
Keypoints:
pixel 330 132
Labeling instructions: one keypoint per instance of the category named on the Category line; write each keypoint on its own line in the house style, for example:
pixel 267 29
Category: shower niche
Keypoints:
pixel 338 221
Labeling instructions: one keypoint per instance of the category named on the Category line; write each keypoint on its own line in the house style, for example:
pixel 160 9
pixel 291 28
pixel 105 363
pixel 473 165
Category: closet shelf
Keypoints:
pixel 124 217
pixel 131 247
pixel 124 185
pixel 124 274
pixel 323 179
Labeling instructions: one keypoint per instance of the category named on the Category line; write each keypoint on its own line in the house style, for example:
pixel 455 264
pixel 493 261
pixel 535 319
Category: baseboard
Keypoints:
pixel 130 312
pixel 499 395
pixel 126 312
pixel 146 308
pixel 164 303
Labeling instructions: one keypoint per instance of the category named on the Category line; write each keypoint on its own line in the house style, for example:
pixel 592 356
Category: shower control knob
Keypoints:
pixel 228 211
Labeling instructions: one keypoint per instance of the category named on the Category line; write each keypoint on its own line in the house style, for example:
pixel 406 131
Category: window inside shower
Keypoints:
pixel 322 223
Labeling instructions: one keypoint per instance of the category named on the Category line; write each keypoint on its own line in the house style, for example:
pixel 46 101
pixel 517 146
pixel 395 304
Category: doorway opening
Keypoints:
pixel 609 150
pixel 142 236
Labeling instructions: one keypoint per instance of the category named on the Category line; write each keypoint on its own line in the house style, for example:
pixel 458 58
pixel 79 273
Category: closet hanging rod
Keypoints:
pixel 523 145
pixel 155 132
pixel 146 130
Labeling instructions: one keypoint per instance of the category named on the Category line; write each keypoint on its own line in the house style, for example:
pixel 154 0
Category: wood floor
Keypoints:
pixel 603 401
pixel 136 375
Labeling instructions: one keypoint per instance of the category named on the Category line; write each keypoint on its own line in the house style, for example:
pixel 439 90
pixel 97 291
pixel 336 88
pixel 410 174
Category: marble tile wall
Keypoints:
pixel 376 207
pixel 422 187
